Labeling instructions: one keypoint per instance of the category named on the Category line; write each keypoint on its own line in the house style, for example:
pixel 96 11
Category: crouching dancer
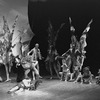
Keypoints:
pixel 86 77
pixel 98 78
pixel 26 84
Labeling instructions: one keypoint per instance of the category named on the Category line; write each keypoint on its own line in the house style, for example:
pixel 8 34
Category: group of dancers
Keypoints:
pixel 70 69
pixel 72 62
pixel 29 63
pixel 73 59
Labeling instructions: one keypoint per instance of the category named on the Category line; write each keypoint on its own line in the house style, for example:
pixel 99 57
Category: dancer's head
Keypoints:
pixel 63 61
pixel 36 45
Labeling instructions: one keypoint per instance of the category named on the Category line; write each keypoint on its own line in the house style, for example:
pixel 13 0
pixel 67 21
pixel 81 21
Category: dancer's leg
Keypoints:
pixel 26 73
pixel 19 90
pixel 55 68
pixel 7 73
pixel 33 75
pixel 51 73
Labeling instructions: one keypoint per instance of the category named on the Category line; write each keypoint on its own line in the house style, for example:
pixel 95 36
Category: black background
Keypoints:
pixel 58 11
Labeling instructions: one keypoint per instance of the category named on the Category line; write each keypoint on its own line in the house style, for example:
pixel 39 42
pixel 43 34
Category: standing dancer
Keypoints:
pixel 72 53
pixel 73 46
pixel 51 60
pixel 77 64
pixel 35 56
pixel 65 75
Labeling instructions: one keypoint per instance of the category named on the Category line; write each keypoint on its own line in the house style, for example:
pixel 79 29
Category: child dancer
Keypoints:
pixel 65 71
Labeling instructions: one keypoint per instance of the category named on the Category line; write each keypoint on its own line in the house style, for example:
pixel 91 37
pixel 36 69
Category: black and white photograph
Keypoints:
pixel 49 49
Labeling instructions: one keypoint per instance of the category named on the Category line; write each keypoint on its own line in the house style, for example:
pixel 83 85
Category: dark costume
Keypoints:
pixel 52 63
pixel 19 70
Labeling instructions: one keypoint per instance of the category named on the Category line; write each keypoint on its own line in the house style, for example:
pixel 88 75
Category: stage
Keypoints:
pixel 53 90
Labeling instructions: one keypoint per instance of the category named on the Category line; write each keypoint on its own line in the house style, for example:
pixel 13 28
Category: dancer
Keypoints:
pixel 98 78
pixel 36 54
pixel 83 42
pixel 25 84
pixel 19 68
pixel 72 59
pixel 77 64
pixel 65 71
pixel 87 75
pixel 76 69
pixel 52 62
pixel 29 64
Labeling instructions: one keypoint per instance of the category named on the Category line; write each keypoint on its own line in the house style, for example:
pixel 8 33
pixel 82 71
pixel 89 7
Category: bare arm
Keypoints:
pixel 30 52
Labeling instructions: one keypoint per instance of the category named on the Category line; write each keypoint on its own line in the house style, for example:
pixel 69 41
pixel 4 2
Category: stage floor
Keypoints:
pixel 53 90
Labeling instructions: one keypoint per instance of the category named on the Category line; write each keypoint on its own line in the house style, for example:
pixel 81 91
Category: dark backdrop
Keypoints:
pixel 58 11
